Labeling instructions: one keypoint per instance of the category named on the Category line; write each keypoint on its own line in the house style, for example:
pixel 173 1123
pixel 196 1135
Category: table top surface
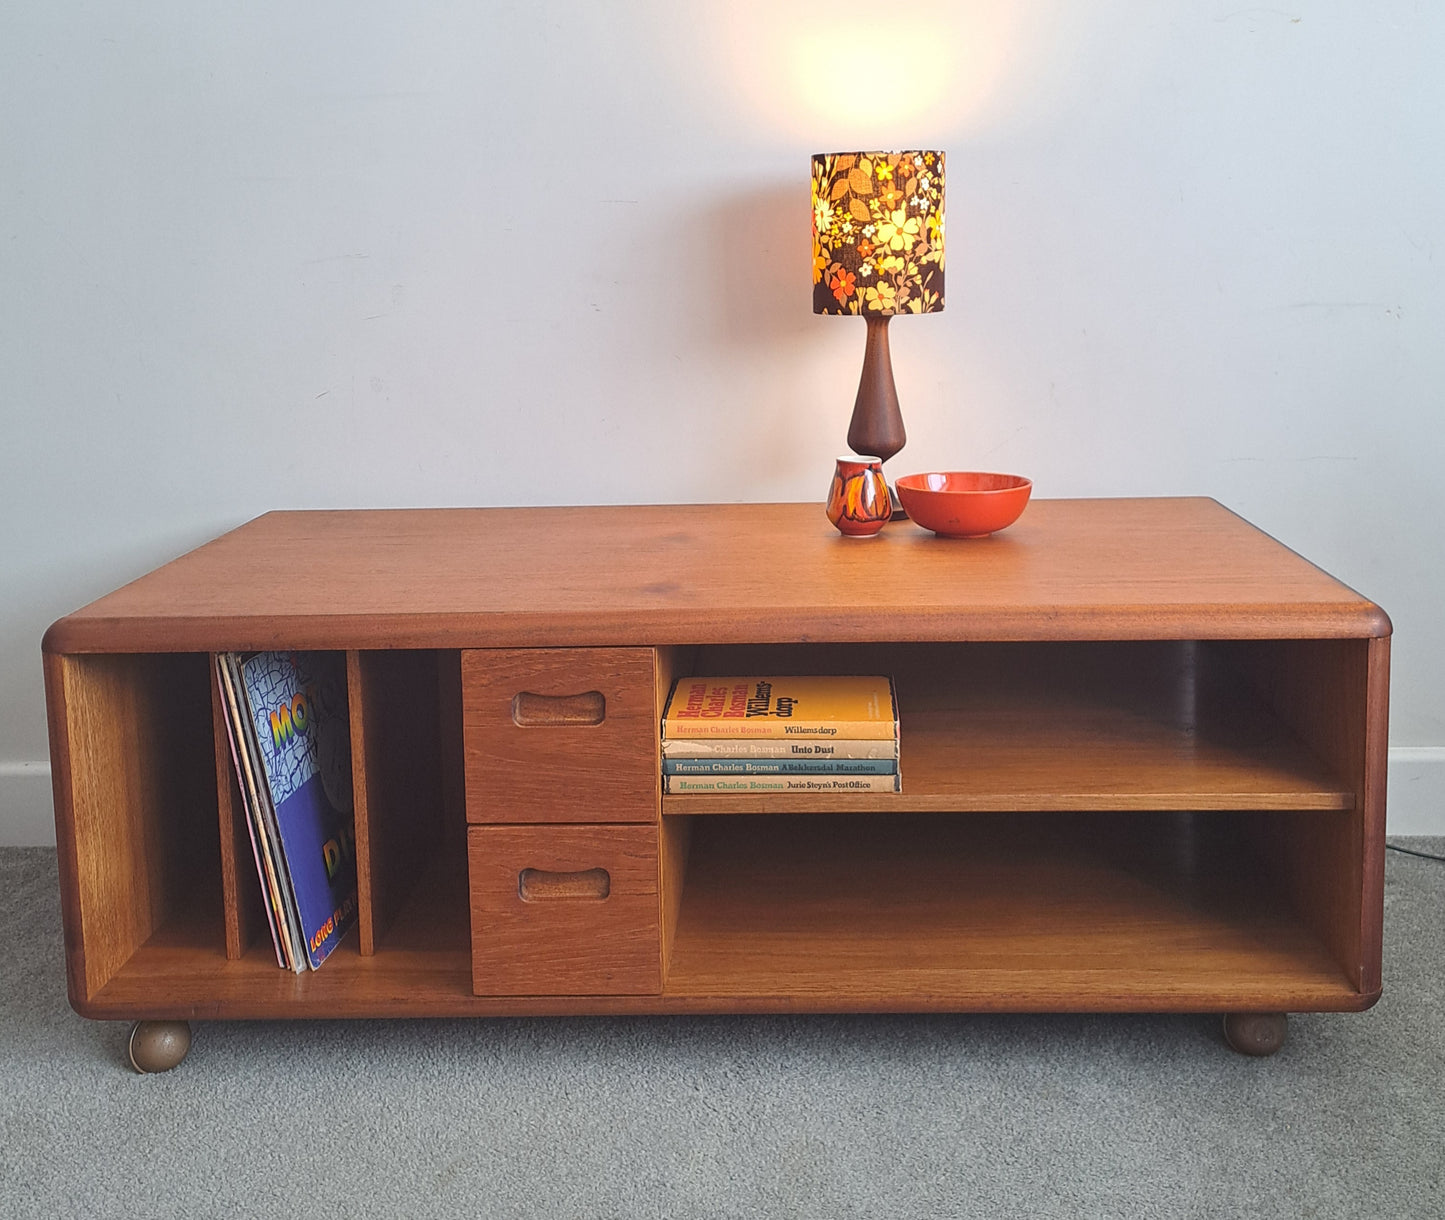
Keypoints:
pixel 733 573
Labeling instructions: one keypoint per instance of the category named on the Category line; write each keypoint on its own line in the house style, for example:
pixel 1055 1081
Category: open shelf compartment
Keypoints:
pixel 165 880
pixel 1148 725
pixel 1087 912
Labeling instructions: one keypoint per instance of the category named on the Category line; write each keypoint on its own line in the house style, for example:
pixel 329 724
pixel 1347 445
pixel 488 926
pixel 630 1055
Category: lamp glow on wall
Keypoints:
pixel 877 251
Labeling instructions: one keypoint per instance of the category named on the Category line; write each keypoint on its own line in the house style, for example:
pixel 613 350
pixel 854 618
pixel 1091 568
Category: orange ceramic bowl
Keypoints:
pixel 963 503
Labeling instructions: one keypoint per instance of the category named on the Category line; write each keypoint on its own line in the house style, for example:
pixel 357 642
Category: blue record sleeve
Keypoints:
pixel 297 702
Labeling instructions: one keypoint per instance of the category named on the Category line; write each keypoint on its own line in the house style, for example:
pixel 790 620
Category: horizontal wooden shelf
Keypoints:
pixel 1142 727
pixel 1013 912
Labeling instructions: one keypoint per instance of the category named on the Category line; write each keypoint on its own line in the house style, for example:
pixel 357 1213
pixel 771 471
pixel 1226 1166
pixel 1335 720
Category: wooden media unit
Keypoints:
pixel 1142 748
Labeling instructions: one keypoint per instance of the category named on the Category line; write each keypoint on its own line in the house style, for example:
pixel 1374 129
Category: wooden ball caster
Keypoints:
pixel 1255 1033
pixel 158 1046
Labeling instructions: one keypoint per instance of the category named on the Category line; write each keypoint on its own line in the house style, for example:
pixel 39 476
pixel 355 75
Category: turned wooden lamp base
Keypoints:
pixel 877 424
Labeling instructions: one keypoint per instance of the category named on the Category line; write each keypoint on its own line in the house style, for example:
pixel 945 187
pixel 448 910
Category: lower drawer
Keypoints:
pixel 564 910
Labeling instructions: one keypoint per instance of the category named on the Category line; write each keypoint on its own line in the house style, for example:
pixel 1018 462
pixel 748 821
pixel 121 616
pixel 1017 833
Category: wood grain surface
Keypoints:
pixel 397 780
pixel 1018 913
pixel 561 770
pixel 1118 725
pixel 1053 910
pixel 1334 695
pixel 740 573
pixel 1143 756
pixel 139 803
pixel 572 941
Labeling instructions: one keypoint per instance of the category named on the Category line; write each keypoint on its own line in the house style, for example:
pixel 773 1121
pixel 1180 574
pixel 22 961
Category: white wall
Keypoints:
pixel 279 255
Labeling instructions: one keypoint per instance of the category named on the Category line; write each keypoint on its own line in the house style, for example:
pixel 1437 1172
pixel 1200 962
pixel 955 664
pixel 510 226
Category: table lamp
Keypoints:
pixel 877 251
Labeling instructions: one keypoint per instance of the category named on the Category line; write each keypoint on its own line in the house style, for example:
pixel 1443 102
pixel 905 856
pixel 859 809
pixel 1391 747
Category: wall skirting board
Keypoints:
pixel 27 813
pixel 1416 797
pixel 1415 800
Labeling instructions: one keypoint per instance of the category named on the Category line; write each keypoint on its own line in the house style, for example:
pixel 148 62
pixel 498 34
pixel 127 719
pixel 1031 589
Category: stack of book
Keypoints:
pixel 290 734
pixel 833 733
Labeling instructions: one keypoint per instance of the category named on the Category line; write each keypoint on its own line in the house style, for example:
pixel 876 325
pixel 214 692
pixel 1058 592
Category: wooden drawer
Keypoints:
pixel 564 910
pixel 561 735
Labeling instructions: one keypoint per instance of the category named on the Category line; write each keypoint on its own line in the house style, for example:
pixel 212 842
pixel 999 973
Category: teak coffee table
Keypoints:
pixel 1143 756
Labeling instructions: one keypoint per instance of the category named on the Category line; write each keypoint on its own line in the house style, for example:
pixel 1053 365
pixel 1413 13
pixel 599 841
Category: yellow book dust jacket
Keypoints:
pixel 848 707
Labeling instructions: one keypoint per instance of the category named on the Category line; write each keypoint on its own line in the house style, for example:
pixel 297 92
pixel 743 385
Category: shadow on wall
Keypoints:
pixel 743 316
pixel 759 247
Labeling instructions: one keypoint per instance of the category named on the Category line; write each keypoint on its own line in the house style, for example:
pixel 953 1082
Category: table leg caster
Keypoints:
pixel 157 1046
pixel 1255 1033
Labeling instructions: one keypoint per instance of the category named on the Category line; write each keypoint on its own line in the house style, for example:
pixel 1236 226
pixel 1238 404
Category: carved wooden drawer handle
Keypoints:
pixel 538 885
pixel 532 711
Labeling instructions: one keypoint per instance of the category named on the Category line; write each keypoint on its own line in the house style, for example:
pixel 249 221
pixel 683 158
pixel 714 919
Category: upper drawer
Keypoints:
pixel 561 734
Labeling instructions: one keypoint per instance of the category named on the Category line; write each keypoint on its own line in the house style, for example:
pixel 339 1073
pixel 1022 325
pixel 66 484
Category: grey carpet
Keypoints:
pixel 811 1116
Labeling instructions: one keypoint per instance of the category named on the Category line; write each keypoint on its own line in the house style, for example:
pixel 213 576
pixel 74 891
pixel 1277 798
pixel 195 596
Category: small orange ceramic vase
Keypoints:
pixel 858 500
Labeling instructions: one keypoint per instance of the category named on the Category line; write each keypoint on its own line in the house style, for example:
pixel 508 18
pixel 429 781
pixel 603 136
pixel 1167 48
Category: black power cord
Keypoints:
pixel 1410 851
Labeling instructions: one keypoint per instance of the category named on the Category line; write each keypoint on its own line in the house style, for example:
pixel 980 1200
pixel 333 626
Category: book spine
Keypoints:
pixel 779 766
pixel 763 747
pixel 805 730
pixel 780 783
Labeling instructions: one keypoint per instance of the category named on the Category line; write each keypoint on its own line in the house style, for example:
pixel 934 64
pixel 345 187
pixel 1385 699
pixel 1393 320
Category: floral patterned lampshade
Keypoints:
pixel 878 233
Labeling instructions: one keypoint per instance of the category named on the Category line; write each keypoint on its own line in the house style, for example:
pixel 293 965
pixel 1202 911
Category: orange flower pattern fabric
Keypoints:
pixel 878 232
